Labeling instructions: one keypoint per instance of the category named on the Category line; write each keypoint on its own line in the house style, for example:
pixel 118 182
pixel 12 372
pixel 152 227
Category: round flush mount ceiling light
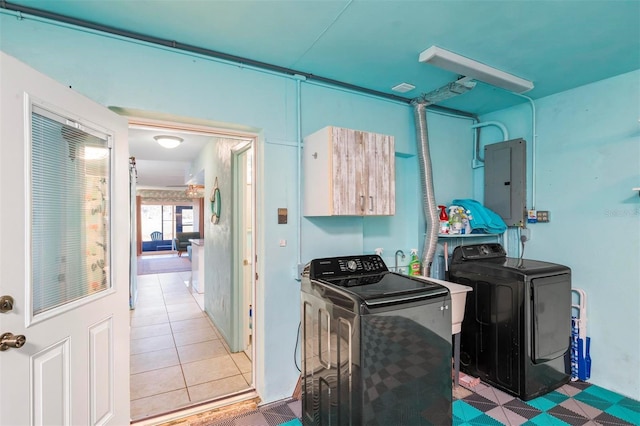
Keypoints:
pixel 168 142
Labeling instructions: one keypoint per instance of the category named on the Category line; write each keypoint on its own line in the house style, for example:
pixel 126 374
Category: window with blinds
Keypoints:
pixel 70 193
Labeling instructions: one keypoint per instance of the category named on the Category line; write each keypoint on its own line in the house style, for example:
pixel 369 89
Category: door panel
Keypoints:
pixel 101 372
pixel 551 322
pixel 50 378
pixel 76 353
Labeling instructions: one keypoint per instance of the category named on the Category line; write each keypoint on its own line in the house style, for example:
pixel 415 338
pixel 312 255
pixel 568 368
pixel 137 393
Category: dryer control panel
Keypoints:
pixel 478 252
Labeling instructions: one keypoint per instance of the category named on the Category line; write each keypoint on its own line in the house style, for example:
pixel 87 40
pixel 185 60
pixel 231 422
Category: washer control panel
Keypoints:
pixel 346 266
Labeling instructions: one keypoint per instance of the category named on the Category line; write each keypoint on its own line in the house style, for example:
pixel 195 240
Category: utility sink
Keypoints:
pixel 458 302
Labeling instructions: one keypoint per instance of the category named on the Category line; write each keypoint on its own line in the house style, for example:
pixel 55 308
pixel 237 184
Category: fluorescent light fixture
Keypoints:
pixel 168 142
pixel 469 68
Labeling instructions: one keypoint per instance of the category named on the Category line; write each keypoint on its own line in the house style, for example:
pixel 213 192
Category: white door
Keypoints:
pixel 246 227
pixel 63 257
pixel 244 246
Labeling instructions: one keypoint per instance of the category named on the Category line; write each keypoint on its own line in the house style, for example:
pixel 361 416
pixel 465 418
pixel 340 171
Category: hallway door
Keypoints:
pixel 244 246
pixel 63 171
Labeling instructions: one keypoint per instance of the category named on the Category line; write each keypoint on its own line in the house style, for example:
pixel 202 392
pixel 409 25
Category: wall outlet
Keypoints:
pixel 297 271
pixel 542 215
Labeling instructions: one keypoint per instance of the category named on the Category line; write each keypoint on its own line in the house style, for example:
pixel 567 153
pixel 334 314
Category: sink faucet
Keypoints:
pixel 403 256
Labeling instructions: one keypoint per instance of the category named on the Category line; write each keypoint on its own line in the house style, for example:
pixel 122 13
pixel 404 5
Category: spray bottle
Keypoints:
pixel 444 220
pixel 414 264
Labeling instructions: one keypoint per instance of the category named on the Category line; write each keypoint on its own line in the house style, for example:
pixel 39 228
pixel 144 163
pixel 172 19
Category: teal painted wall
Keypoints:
pixel 587 162
pixel 133 75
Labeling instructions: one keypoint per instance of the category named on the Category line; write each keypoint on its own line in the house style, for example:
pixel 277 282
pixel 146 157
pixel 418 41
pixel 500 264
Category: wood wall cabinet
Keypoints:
pixel 348 173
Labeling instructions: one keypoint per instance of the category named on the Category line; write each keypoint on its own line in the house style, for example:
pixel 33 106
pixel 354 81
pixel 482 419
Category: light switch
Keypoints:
pixel 282 216
pixel 283 243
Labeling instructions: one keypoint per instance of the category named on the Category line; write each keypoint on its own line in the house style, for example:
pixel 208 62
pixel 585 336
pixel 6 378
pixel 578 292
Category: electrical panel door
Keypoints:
pixel 505 189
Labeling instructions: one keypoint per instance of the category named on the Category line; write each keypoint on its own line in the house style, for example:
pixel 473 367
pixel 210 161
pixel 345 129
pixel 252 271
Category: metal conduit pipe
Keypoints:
pixel 477 161
pixel 505 132
pixel 428 192
pixel 534 137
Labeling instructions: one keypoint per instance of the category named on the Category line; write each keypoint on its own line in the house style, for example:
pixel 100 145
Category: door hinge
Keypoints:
pixel 256 276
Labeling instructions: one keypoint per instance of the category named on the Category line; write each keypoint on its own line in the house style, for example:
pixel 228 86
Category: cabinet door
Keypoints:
pixel 348 173
pixel 379 173
pixel 347 169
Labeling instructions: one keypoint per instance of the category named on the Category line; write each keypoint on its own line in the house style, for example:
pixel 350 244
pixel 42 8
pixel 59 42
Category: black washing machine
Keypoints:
pixel 376 345
pixel 517 324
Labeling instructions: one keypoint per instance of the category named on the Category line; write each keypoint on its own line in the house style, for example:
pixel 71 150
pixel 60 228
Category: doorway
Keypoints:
pixel 191 352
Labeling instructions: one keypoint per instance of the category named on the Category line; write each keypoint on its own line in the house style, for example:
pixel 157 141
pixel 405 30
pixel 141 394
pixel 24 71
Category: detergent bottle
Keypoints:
pixel 455 220
pixel 414 263
pixel 444 220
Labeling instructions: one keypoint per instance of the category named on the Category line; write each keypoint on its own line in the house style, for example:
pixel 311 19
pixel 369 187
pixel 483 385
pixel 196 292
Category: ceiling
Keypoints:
pixel 375 44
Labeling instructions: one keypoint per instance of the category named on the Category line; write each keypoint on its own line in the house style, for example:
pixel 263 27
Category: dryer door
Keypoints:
pixel 551 322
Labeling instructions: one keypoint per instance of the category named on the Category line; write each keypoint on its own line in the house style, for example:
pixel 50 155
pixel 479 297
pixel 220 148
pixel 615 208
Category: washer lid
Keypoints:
pixel 387 285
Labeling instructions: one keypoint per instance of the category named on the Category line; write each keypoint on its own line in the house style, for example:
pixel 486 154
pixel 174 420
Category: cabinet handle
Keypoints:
pixel 362 202
pixel 370 203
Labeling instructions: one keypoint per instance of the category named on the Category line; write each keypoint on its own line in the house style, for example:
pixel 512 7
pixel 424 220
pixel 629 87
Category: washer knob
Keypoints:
pixel 352 265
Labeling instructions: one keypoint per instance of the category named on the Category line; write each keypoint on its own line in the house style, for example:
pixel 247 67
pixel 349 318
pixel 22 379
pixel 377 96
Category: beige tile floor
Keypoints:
pixel 177 355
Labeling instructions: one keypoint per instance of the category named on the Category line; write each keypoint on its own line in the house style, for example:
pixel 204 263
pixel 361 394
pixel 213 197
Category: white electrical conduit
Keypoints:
pixel 299 79
pixel 534 138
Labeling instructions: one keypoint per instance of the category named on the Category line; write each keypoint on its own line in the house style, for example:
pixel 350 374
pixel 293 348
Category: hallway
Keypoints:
pixel 177 356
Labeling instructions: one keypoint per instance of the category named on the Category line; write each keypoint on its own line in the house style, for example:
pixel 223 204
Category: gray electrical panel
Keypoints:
pixel 505 174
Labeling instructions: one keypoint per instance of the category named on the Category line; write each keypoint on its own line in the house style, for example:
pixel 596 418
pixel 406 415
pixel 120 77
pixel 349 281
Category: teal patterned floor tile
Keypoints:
pixel 545 419
pixel 605 394
pixel 541 403
pixel 484 420
pixel 593 400
pixel 294 422
pixel 465 411
pixel 556 397
pixel 631 404
pixel 624 413
pixel 457 421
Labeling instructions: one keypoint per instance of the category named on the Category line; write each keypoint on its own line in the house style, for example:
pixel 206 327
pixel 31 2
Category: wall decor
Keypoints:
pixel 215 203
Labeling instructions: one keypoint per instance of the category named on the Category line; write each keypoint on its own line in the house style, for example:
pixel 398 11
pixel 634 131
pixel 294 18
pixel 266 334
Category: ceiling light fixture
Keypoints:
pixel 469 68
pixel 168 142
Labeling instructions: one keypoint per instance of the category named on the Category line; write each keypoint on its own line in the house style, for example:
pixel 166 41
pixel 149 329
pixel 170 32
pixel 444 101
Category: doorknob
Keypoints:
pixel 9 340
pixel 6 304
